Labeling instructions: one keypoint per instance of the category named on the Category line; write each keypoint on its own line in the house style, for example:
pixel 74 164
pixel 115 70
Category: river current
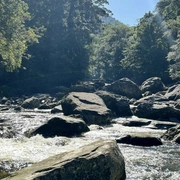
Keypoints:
pixel 142 163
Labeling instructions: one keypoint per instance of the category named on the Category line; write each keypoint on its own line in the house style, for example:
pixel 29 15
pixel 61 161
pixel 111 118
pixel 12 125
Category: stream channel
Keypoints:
pixel 142 163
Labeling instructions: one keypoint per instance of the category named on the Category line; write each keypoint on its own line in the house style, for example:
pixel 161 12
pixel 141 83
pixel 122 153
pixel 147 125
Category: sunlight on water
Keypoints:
pixel 152 163
pixel 142 163
pixel 36 148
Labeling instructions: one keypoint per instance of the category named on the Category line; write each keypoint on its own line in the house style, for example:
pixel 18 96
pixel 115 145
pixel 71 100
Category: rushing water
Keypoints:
pixel 142 163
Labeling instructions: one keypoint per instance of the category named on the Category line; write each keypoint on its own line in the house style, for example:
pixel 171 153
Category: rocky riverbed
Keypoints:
pixel 142 119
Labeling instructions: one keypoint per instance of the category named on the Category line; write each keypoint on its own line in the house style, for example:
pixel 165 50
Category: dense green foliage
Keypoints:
pixel 145 55
pixel 73 43
pixel 68 24
pixel 14 35
pixel 169 11
pixel 107 51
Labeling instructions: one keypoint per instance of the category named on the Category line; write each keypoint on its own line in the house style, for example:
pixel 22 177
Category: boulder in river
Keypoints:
pixel 31 103
pixel 155 107
pixel 140 140
pixel 118 104
pixel 125 87
pixel 100 160
pixel 152 85
pixel 61 126
pixel 89 105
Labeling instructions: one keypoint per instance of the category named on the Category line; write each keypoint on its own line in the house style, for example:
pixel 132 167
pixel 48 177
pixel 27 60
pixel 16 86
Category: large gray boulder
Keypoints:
pixel 61 126
pixel 31 103
pixel 100 160
pixel 89 105
pixel 119 105
pixel 125 87
pixel 155 107
pixel 153 85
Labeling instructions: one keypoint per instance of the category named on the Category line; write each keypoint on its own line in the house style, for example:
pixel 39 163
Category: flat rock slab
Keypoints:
pixel 100 160
pixel 140 140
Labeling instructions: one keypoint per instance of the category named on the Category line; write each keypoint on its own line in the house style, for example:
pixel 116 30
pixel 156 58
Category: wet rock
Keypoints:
pixel 89 105
pixel 148 123
pixel 136 123
pixel 119 105
pixel 18 108
pixel 31 103
pixel 153 98
pixel 100 160
pixel 44 106
pixel 125 87
pixel 83 87
pixel 153 85
pixel 140 140
pixel 173 93
pixel 172 134
pixel 155 107
pixel 161 124
pixel 57 109
pixel 61 126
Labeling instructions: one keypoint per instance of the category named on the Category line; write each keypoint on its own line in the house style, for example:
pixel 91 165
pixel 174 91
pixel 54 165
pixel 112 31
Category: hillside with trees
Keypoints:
pixel 49 43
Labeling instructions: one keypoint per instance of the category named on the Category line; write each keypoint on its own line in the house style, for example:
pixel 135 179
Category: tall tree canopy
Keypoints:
pixel 169 11
pixel 145 56
pixel 107 51
pixel 14 35
pixel 62 49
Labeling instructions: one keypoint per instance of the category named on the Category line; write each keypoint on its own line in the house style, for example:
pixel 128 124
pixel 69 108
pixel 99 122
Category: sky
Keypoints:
pixel 129 11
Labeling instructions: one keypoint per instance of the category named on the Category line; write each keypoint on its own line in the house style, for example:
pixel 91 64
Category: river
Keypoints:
pixel 142 163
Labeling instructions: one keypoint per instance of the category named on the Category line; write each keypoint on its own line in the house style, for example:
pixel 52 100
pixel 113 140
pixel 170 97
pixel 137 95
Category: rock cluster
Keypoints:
pixel 75 109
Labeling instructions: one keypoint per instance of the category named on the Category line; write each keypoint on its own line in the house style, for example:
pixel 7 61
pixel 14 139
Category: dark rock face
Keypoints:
pixel 173 93
pixel 155 107
pixel 116 103
pixel 31 103
pixel 153 85
pixel 61 126
pixel 84 87
pixel 140 140
pixel 101 160
pixel 136 123
pixel 125 87
pixel 89 105
pixel 172 134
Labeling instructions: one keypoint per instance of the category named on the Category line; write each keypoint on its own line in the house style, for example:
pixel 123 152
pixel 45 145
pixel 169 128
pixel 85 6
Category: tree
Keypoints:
pixel 107 51
pixel 14 35
pixel 62 50
pixel 169 10
pixel 145 55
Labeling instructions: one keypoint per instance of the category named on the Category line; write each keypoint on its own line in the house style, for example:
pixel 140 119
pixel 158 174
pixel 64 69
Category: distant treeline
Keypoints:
pixel 48 43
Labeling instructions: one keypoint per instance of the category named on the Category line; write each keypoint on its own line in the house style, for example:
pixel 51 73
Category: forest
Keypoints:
pixel 49 43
